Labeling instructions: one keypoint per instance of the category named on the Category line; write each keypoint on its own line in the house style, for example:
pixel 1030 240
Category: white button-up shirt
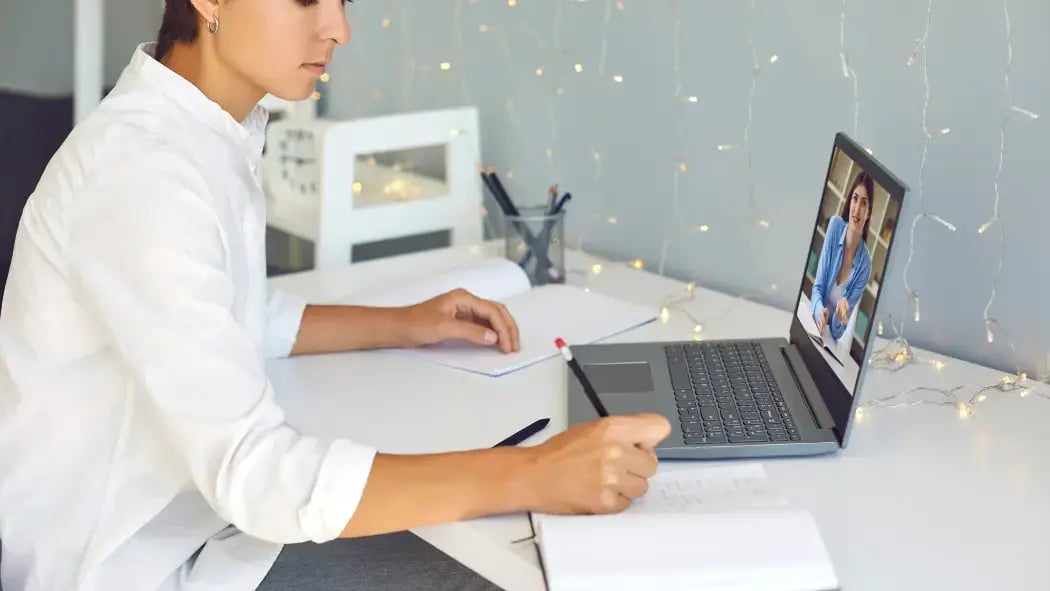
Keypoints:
pixel 140 443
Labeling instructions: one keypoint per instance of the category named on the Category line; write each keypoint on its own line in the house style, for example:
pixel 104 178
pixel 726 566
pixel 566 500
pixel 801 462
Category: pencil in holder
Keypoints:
pixel 535 239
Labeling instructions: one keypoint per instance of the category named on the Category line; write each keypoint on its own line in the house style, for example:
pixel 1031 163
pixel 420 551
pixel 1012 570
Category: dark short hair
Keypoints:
pixel 869 184
pixel 178 25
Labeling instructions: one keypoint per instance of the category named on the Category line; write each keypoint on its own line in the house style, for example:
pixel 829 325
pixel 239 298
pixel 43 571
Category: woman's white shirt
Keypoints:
pixel 140 443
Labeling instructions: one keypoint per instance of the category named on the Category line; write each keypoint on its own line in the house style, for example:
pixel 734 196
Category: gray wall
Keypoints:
pixel 799 102
pixel 36 42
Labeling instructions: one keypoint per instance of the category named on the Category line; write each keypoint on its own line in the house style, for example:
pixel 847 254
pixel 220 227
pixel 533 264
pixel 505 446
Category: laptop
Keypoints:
pixel 767 397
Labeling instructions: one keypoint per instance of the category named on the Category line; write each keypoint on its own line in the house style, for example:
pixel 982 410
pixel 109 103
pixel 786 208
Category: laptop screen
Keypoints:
pixel 845 269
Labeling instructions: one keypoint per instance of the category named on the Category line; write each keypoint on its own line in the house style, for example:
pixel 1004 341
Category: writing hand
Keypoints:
pixel 825 315
pixel 598 466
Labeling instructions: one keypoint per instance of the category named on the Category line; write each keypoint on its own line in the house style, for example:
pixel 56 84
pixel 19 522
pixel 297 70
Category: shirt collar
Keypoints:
pixel 249 134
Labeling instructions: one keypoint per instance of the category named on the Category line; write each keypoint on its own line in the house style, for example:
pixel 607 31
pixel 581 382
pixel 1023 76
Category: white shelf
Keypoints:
pixel 375 185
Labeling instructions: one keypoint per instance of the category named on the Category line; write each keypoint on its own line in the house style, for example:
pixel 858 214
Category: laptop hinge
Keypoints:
pixel 808 387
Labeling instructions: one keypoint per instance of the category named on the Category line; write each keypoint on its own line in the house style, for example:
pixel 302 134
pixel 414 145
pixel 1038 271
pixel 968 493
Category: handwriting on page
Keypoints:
pixel 708 489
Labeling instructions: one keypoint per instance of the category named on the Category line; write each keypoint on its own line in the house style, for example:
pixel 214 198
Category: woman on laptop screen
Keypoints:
pixel 845 264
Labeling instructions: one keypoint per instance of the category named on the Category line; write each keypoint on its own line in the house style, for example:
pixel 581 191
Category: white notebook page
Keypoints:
pixel 543 314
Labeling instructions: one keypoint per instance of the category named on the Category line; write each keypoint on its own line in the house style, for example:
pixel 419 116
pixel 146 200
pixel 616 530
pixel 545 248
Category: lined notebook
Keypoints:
pixel 542 313
pixel 718 528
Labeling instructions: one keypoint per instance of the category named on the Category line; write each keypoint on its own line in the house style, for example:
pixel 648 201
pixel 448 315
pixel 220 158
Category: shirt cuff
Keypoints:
pixel 337 492
pixel 284 316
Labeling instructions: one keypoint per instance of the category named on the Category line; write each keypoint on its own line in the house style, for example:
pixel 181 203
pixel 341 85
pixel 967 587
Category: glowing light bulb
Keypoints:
pixel 578 67
pixel 880 328
pixel 946 131
pixel 859 413
pixel 690 287
pixel 385 23
pixel 918 316
pixel 512 3
pixel 445 66
pixel 325 77
pixel 774 58
pixel 638 263
pixel 596 268
pixel 982 398
pixel 618 78
pixel 693 99
pixel 539 72
pixel 358 187
pixel 704 228
pixel 665 315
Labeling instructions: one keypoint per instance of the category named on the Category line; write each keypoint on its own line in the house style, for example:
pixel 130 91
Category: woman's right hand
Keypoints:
pixel 597 466
pixel 825 315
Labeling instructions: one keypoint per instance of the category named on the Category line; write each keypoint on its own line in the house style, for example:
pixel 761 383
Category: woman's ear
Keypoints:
pixel 206 9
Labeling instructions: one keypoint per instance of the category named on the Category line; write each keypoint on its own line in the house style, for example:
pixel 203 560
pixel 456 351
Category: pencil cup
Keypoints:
pixel 535 239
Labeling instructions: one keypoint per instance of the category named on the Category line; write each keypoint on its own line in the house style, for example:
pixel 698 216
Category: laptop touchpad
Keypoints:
pixel 620 378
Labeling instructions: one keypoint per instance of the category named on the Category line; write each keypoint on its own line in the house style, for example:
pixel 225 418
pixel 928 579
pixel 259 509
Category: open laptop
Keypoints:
pixel 770 396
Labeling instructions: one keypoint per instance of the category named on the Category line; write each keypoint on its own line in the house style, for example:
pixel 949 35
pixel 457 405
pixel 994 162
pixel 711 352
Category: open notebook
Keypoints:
pixel 717 528
pixel 543 313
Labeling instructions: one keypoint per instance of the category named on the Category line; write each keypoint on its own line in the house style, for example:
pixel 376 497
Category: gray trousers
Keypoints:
pixel 392 561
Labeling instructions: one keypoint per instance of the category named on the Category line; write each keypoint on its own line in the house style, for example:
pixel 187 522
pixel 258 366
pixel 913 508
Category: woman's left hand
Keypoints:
pixel 842 311
pixel 460 314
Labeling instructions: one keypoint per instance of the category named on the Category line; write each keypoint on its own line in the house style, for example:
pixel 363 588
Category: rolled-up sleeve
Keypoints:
pixel 147 256
pixel 284 315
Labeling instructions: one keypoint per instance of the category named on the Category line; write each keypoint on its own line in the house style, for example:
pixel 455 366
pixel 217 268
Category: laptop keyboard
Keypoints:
pixel 726 393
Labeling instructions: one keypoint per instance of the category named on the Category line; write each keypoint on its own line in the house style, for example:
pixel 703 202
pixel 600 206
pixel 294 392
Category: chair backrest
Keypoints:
pixel 348 217
pixel 335 195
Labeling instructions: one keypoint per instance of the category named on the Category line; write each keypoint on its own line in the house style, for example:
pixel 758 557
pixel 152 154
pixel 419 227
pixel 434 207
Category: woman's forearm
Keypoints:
pixel 405 492
pixel 333 329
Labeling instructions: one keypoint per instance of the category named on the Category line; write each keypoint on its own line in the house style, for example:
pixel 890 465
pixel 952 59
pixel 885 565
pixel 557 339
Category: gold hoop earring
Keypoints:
pixel 213 27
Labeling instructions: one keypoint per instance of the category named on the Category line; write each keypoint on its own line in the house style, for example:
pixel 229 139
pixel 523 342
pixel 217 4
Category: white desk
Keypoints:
pixel 921 499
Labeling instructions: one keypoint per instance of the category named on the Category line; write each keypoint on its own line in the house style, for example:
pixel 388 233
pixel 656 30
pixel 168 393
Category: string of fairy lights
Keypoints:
pixel 897 353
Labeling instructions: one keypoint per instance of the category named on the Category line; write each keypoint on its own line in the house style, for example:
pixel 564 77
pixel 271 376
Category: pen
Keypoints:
pixel 552 199
pixel 588 389
pixel 525 433
pixel 561 202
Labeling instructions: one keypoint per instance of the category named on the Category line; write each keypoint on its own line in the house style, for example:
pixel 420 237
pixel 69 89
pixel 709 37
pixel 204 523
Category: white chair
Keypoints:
pixel 322 187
